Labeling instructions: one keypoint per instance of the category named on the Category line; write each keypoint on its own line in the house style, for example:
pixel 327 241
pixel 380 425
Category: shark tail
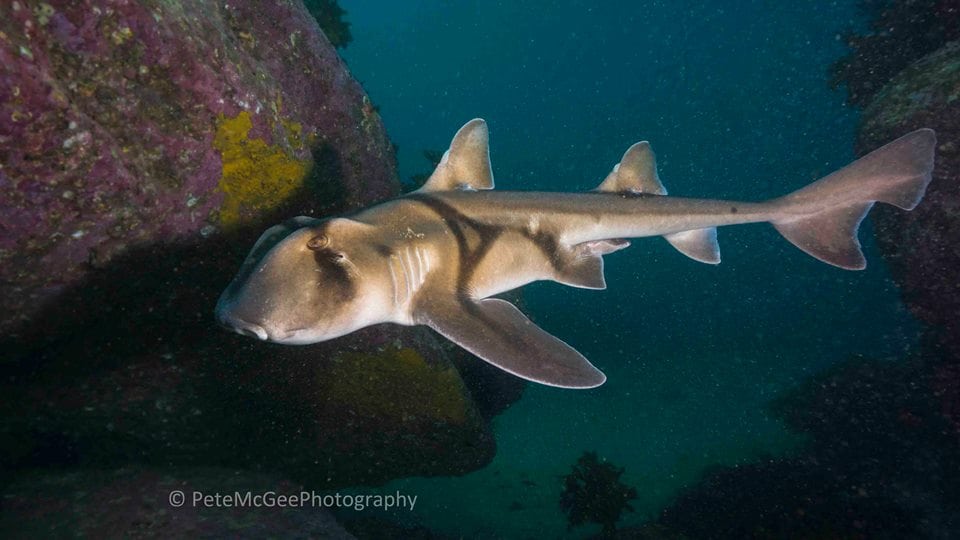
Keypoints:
pixel 822 219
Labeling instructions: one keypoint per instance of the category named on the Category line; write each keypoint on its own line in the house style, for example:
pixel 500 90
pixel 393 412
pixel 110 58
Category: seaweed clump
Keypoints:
pixel 593 493
pixel 899 32
pixel 329 16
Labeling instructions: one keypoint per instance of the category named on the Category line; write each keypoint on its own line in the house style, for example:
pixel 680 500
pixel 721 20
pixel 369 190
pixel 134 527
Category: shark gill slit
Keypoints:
pixel 421 270
pixel 417 266
pixel 469 259
pixel 394 281
pixel 407 271
pixel 414 269
pixel 407 274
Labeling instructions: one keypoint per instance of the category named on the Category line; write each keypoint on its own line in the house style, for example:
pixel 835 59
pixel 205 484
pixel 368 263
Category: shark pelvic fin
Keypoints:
pixel 698 244
pixel 466 165
pixel 582 265
pixel 497 332
pixel 636 172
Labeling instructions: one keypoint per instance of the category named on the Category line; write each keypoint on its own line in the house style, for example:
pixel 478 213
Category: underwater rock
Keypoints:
pixel 137 503
pixel 131 122
pixel 144 146
pixel 923 247
pixel 899 32
pixel 146 376
pixel 330 17
pixel 784 499
pixel 647 531
pixel 882 462
pixel 370 527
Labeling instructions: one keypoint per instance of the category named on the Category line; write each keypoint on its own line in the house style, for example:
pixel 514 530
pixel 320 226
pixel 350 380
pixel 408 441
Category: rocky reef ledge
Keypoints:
pixel 144 146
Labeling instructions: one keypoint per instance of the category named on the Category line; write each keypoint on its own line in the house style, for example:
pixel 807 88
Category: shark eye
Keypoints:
pixel 319 241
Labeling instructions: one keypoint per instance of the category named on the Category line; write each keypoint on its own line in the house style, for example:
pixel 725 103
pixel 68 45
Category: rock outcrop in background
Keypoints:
pixel 144 146
pixel 904 71
pixel 884 436
pixel 923 247
pixel 882 461
pixel 897 33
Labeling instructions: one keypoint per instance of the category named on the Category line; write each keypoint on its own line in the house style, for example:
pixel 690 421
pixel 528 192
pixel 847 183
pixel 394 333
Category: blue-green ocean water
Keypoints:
pixel 735 100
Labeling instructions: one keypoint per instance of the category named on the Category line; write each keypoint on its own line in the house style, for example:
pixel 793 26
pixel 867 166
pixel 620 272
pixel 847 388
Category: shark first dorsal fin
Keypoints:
pixel 466 165
pixel 496 331
pixel 636 172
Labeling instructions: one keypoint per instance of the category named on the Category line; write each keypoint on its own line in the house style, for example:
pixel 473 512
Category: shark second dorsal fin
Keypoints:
pixel 496 331
pixel 466 165
pixel 636 172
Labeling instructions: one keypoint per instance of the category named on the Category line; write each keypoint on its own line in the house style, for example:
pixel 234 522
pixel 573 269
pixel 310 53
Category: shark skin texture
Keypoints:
pixel 439 255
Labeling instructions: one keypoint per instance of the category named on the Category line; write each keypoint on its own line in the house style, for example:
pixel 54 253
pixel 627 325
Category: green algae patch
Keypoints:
pixel 256 176
pixel 399 385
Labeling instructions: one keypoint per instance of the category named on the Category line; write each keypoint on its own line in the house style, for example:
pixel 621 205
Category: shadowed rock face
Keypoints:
pixel 923 246
pixel 144 146
pixel 137 371
pixel 898 32
pixel 882 460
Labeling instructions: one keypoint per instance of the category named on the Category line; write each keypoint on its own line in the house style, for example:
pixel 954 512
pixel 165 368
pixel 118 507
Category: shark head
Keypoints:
pixel 306 281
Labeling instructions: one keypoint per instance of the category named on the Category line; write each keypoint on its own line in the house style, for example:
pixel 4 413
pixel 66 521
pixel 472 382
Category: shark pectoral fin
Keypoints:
pixel 582 265
pixel 636 172
pixel 466 165
pixel 497 332
pixel 698 244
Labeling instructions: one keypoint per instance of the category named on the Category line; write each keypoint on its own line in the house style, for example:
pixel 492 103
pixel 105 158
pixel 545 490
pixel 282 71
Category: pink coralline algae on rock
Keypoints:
pixel 130 122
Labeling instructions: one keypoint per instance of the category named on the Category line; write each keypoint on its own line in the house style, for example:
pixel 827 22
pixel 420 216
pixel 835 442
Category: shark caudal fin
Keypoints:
pixel 822 219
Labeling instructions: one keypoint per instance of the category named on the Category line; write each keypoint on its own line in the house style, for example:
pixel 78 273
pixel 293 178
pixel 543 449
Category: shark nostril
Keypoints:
pixel 230 321
pixel 252 330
